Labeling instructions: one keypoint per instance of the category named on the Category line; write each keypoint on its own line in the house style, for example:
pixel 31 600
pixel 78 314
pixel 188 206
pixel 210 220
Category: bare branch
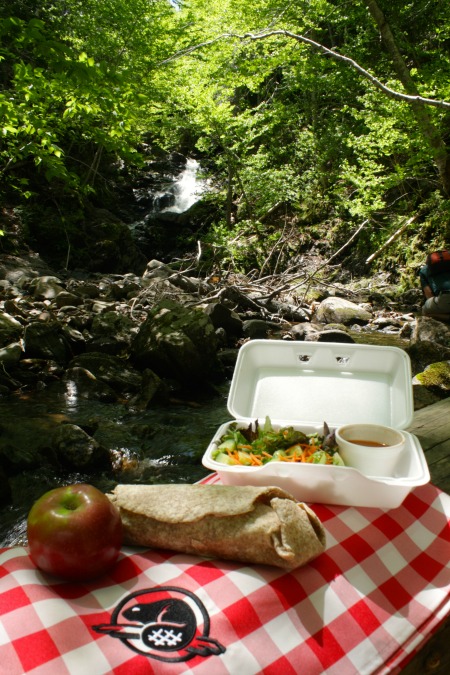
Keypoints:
pixel 392 238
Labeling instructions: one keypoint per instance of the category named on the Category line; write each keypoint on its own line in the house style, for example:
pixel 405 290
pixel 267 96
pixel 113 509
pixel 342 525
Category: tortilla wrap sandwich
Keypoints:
pixel 263 525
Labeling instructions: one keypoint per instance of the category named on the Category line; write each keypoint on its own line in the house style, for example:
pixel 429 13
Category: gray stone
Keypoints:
pixel 430 343
pixel 255 329
pixel 153 390
pixel 224 317
pixel 46 288
pixel 76 449
pixel 339 310
pixel 81 383
pixel 46 341
pixel 330 336
pixel 110 369
pixel 10 355
pixel 65 298
pixel 177 342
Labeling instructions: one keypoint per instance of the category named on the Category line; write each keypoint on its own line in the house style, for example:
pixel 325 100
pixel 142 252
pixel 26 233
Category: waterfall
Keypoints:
pixel 186 188
pixel 176 194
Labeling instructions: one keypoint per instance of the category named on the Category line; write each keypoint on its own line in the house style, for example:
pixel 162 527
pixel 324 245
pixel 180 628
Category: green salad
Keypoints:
pixel 257 445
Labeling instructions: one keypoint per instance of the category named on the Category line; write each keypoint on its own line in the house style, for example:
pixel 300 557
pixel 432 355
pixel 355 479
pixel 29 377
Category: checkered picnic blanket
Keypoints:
pixel 367 604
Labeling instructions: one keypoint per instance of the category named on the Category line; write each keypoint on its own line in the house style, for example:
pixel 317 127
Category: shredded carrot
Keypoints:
pixel 233 455
pixel 289 458
pixel 299 452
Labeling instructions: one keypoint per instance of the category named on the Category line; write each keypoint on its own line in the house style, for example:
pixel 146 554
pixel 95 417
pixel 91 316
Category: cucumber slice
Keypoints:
pixel 229 444
pixel 223 458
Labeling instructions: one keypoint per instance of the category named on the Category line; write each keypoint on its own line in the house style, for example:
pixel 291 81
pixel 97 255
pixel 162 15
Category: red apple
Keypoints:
pixel 74 532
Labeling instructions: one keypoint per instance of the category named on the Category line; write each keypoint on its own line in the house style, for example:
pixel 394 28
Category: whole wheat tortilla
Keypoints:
pixel 263 525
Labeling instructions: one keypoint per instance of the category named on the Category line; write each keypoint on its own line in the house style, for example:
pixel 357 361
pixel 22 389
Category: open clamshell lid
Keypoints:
pixel 313 382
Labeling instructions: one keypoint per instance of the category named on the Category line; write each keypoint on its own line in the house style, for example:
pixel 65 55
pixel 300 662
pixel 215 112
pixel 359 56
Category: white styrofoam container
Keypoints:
pixel 305 384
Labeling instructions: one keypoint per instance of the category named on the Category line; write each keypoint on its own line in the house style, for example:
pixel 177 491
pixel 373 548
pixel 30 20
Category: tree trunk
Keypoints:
pixel 229 195
pixel 428 129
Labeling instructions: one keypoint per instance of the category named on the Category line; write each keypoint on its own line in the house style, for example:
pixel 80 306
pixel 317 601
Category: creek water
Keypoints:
pixel 158 445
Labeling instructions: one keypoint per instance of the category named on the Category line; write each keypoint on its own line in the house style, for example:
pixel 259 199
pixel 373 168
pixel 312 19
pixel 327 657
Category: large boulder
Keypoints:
pixel 111 332
pixel 430 343
pixel 178 343
pixel 339 310
pixel 46 341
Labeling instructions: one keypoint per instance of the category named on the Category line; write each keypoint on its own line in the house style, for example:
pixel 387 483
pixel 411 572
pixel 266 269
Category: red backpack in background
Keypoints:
pixel 438 262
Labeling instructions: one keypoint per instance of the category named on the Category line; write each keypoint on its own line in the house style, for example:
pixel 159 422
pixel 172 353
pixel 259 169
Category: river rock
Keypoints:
pixel 224 317
pixel 46 341
pixel 84 289
pixel 10 328
pixel 257 329
pixel 38 373
pixel 46 287
pixel 65 298
pixel 339 310
pixel 422 396
pixel 310 332
pixel 304 331
pixel 152 390
pixel 112 328
pixel 334 335
pixel 177 342
pixel 114 371
pixel 288 311
pixel 76 449
pixel 10 355
pixel 81 383
pixel 430 343
pixel 157 270
pixel 436 377
pixel 125 288
pixel 15 459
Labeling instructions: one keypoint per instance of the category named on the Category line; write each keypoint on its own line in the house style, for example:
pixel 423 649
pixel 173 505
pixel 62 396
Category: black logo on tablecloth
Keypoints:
pixel 166 623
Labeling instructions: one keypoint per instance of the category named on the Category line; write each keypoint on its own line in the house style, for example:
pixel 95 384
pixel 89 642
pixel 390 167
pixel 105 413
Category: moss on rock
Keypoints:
pixel 436 376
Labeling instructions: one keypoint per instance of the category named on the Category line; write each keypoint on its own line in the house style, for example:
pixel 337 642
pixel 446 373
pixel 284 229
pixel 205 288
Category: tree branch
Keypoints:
pixel 387 243
pixel 392 93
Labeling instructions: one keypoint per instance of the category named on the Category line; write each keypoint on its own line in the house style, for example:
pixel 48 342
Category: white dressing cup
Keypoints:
pixel 373 449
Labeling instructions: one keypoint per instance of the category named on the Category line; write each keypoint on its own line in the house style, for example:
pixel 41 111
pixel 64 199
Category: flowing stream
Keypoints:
pixel 158 445
pixel 187 188
pixel 179 195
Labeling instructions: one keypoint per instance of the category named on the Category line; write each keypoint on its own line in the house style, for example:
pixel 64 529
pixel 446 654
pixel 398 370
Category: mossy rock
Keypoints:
pixel 436 376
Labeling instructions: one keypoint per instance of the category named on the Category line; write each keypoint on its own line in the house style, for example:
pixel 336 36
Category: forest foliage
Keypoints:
pixel 278 100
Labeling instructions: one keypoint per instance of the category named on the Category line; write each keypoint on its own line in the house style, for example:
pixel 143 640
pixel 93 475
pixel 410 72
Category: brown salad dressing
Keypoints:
pixel 371 444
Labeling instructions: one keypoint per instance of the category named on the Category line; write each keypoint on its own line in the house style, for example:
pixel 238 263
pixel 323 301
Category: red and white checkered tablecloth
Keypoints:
pixel 367 604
